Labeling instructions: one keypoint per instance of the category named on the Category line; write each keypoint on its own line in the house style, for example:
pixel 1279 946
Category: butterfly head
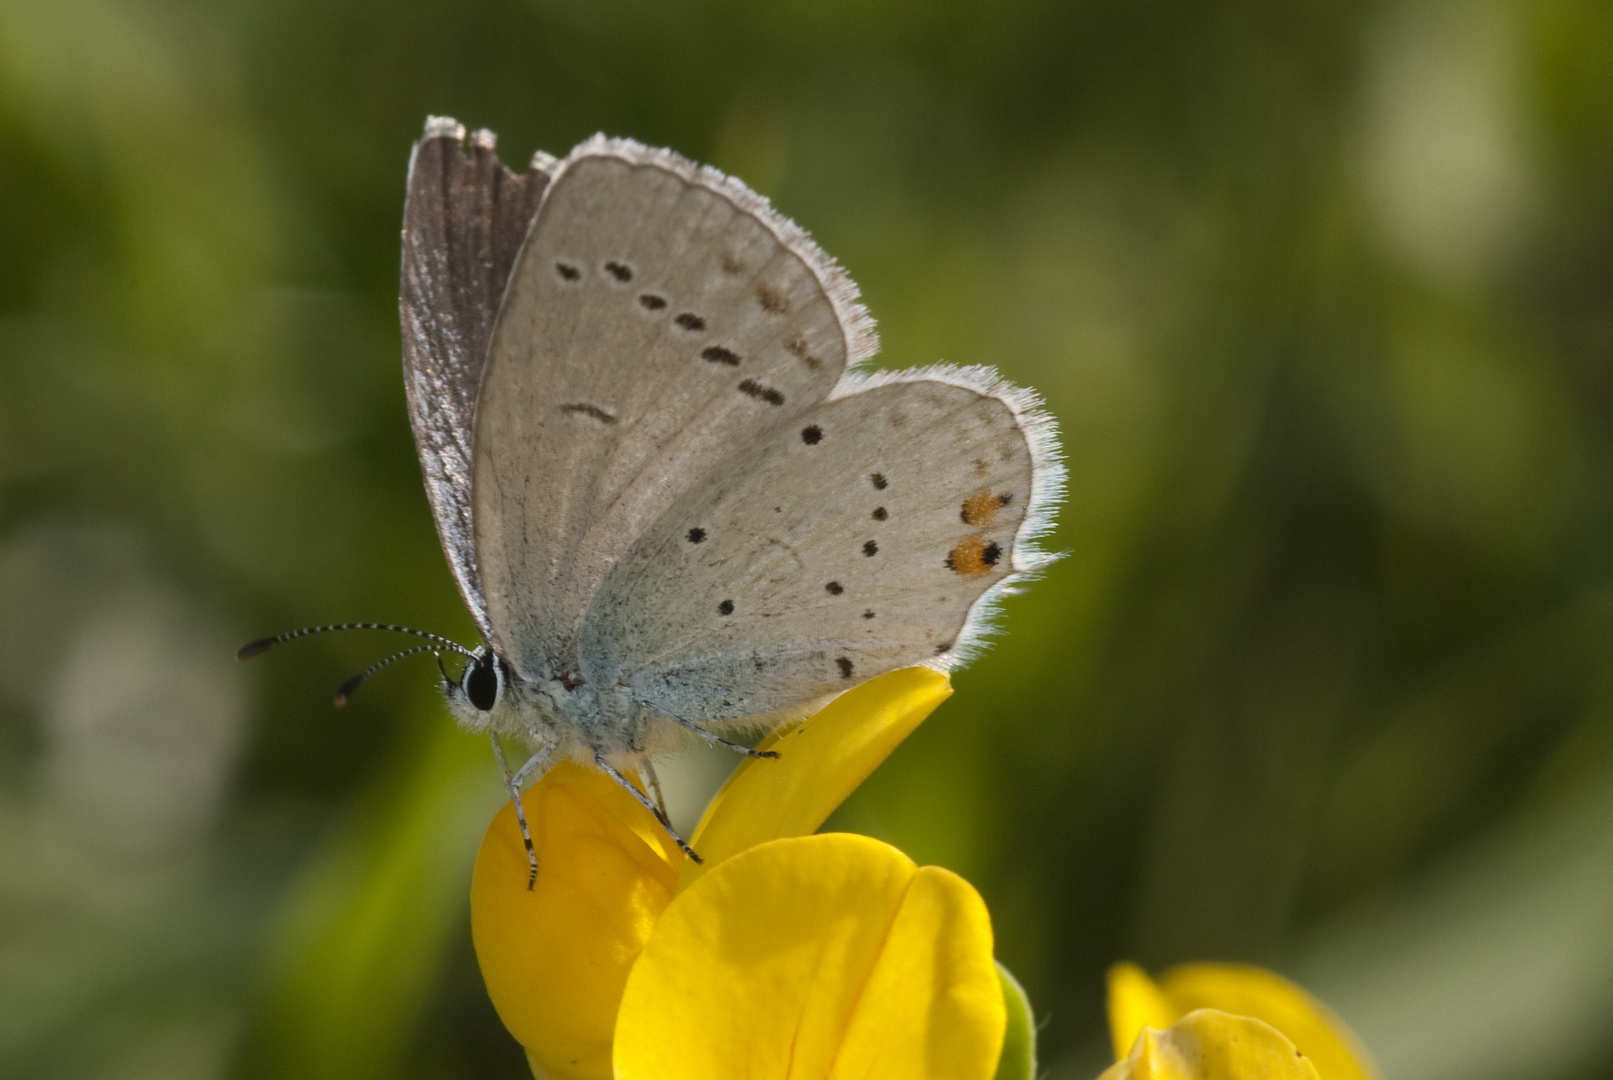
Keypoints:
pixel 480 691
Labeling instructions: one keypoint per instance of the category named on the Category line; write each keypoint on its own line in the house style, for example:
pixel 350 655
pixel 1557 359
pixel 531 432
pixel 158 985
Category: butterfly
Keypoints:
pixel 670 499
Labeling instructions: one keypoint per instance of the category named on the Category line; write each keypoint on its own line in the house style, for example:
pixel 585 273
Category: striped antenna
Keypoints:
pixel 356 681
pixel 263 645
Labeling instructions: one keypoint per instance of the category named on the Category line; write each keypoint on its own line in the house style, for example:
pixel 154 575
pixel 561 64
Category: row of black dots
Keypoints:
pixel 771 301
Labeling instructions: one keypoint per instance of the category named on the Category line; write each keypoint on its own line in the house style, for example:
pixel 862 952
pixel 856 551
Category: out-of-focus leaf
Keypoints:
pixel 367 923
pixel 1019 1040
pixel 1498 964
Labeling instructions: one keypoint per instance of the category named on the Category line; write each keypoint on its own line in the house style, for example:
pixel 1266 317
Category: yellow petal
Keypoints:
pixel 812 958
pixel 820 762
pixel 1135 1002
pixel 555 958
pixel 1253 991
pixel 1212 1045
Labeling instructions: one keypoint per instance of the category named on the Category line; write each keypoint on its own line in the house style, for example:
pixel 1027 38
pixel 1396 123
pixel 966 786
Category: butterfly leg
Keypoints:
pixel 655 786
pixel 533 764
pixel 717 740
pixel 648 804
pixel 514 783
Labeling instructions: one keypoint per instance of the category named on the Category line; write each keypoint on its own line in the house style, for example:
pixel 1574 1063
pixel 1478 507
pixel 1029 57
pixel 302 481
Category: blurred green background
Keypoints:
pixel 1321 293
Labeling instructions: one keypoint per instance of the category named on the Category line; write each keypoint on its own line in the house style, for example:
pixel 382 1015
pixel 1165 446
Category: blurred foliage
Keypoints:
pixel 1320 293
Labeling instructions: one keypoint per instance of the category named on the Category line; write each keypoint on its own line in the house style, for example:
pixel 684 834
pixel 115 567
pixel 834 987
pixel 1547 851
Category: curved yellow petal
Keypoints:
pixel 1212 1045
pixel 813 958
pixel 1251 991
pixel 820 762
pixel 555 958
pixel 1136 1002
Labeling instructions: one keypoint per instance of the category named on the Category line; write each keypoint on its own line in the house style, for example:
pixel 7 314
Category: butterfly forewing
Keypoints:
pixel 659 316
pixel 463 224
pixel 861 538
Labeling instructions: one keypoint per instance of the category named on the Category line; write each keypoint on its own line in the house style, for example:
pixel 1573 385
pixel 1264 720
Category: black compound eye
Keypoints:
pixel 481 683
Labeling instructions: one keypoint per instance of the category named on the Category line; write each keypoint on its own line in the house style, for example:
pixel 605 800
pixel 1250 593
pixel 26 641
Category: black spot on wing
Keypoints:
pixel 845 667
pixel 752 388
pixel 834 588
pixel 567 271
pixel 690 321
pixel 725 608
pixel 812 436
pixel 798 349
pixel 696 535
pixel 651 301
pixel 878 480
pixel 604 416
pixel 619 270
pixel 880 513
pixel 772 300
pixel 719 355
pixel 870 549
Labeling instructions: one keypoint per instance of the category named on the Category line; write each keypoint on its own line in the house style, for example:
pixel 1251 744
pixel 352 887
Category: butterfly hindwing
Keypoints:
pixel 463 223
pixel 866 535
pixel 659 315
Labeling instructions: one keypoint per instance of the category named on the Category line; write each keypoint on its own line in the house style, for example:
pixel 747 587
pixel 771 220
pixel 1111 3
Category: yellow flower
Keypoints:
pixel 555 958
pixel 816 956
pixel 784 954
pixel 1225 1022
pixel 1208 1044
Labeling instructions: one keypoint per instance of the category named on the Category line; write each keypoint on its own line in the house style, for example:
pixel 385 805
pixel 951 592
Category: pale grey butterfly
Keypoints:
pixel 670 499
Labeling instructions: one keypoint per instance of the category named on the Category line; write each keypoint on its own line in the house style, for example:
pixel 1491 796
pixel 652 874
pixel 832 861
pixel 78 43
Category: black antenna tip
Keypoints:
pixel 345 691
pixel 255 648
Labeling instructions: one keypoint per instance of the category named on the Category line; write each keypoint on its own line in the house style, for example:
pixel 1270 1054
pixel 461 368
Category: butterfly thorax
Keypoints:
pixel 576 718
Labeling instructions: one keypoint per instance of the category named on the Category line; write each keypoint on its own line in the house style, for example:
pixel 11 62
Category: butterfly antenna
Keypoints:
pixel 263 645
pixel 356 681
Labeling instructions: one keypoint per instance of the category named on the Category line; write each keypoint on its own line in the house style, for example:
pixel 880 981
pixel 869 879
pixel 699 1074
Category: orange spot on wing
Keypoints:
pixel 969 557
pixel 980 508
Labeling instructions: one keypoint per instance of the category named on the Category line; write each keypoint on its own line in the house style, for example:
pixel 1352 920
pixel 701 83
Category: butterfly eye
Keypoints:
pixel 482 682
